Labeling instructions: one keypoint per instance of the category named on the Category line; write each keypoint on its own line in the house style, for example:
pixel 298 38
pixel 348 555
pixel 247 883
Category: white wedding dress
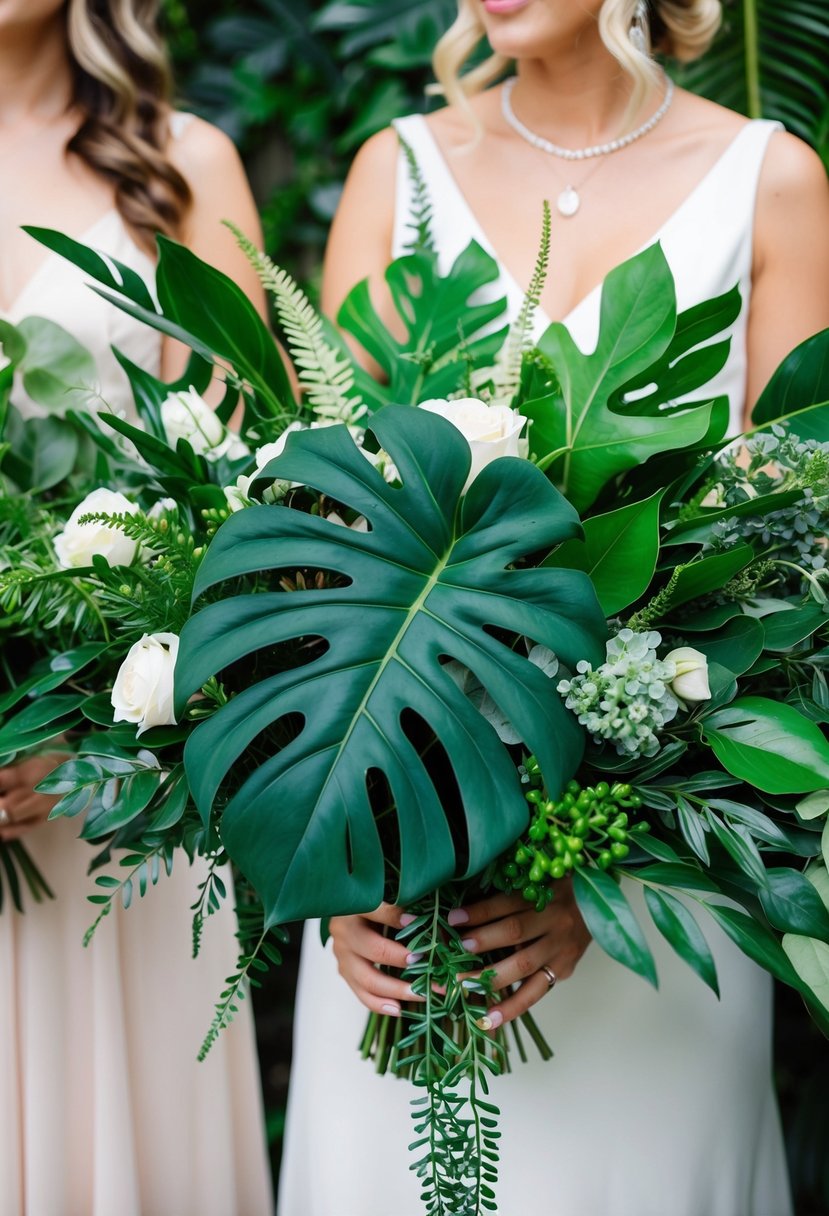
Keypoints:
pixel 656 1103
pixel 104 1110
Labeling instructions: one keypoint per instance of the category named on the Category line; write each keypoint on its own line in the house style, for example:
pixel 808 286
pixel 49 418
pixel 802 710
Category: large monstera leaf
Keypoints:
pixel 433 578
pixel 587 433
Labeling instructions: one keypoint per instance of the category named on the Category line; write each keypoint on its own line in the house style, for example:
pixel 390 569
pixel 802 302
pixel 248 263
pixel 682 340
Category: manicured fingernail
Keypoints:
pixel 407 919
pixel 392 1010
pixel 469 944
pixel 411 959
pixel 491 1020
pixel 458 916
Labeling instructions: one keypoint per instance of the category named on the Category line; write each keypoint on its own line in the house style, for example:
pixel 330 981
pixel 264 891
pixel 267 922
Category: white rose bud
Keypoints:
pixel 78 543
pixel 186 415
pixel 690 684
pixel 238 496
pixel 490 430
pixel 143 689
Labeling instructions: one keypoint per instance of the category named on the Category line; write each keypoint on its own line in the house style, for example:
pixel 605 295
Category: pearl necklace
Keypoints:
pixel 568 201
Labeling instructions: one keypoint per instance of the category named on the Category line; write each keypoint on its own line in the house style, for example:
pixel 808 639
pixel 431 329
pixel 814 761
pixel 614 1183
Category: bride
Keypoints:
pixel 655 1104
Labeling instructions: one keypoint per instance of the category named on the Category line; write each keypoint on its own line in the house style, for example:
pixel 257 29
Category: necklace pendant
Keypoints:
pixel 568 202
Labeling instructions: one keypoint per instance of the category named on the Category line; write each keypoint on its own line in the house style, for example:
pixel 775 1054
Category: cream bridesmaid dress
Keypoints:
pixel 104 1110
pixel 656 1104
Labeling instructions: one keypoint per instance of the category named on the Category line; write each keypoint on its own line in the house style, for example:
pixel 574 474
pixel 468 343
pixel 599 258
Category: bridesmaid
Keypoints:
pixel 103 1108
pixel 655 1103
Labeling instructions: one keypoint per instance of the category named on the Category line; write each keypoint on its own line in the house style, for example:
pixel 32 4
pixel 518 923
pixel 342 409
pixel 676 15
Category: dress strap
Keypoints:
pixel 451 214
pixel 178 123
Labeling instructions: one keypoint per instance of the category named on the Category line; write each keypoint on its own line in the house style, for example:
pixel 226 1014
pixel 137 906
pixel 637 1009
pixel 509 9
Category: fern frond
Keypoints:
pixel 258 952
pixel 519 340
pixel 420 220
pixel 326 375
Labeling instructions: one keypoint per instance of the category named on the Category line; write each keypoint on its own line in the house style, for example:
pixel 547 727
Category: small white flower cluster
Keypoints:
pixel 777 461
pixel 634 694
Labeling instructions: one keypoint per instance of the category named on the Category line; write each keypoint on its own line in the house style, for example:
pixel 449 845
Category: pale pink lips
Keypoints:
pixel 504 6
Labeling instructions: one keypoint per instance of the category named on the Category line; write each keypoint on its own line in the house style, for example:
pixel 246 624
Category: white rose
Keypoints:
pixel 143 689
pixel 186 415
pixel 238 496
pixel 690 684
pixel 78 543
pixel 490 430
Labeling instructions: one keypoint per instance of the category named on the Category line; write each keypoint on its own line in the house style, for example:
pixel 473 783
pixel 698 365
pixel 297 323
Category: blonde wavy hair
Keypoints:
pixel 122 86
pixel 680 29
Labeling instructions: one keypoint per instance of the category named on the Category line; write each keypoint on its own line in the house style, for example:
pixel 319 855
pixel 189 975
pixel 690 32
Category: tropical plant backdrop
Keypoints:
pixel 299 85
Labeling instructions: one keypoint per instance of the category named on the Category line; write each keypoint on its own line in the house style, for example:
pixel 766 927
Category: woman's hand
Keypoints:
pixel 555 938
pixel 359 947
pixel 24 808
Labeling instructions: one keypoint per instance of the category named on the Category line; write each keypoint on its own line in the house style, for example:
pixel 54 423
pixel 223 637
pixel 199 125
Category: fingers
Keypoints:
pixel 387 914
pixel 509 931
pixel 379 992
pixel 360 949
pixel 486 910
pixel 530 993
pixel 522 965
pixel 357 935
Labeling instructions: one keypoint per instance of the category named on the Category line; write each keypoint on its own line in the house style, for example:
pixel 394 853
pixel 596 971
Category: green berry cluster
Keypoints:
pixel 587 825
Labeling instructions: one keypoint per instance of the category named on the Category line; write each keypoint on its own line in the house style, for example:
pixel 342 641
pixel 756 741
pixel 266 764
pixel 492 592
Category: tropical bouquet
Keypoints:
pixel 416 657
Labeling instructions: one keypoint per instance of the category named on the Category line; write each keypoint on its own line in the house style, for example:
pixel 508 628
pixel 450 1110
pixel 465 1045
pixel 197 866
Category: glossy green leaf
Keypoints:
pixel 439 321
pixel 708 574
pixel 46 714
pixel 739 845
pixel 736 646
pixel 793 905
pixel 756 941
pixel 801 380
pixel 693 827
pixel 785 629
pixel 810 960
pixel 611 921
pixel 690 361
pixel 60 668
pixel 678 874
pixel 678 927
pixel 58 372
pixel 575 434
pixel 770 745
pixel 813 806
pixel 701 528
pixel 423 583
pixel 619 552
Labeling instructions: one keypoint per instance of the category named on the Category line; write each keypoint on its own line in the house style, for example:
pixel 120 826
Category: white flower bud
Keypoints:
pixel 143 689
pixel 186 415
pixel 690 684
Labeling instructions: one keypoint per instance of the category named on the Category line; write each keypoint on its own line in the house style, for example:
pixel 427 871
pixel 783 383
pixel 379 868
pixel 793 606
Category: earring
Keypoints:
pixel 639 33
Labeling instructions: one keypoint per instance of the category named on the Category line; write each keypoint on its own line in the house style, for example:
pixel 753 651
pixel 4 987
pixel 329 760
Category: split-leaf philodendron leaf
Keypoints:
pixel 433 578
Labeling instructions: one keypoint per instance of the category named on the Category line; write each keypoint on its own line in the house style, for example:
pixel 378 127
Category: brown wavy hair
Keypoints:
pixel 123 88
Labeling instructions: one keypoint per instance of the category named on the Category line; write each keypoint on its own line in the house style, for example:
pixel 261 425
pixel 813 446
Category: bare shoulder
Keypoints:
pixel 792 169
pixel 197 148
pixel 378 155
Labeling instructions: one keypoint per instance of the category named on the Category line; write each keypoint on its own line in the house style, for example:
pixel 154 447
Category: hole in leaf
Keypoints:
pixel 384 810
pixel 435 760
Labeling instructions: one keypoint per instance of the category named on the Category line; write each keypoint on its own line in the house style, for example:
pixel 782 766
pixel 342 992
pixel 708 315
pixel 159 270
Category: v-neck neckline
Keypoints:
pixel 509 279
pixel 7 313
